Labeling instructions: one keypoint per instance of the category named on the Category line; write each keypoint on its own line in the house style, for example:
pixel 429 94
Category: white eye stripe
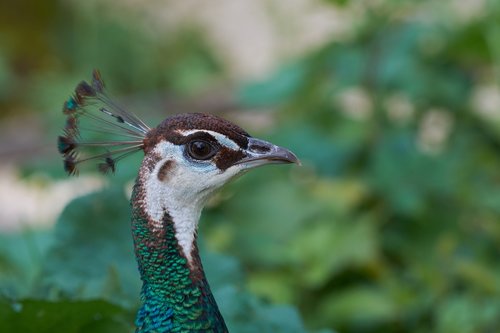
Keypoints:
pixel 221 138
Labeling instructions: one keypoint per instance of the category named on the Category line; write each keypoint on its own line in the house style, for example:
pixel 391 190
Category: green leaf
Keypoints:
pixel 358 307
pixel 326 247
pixel 277 89
pixel 92 255
pixel 21 258
pixel 463 313
pixel 36 316
pixel 245 313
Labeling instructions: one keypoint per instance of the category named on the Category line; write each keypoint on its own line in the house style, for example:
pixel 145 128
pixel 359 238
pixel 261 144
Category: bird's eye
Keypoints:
pixel 201 150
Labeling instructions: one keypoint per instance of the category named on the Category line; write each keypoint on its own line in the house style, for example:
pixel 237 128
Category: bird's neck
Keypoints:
pixel 175 294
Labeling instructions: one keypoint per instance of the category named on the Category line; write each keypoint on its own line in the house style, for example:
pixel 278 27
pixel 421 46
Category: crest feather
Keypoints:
pixel 96 123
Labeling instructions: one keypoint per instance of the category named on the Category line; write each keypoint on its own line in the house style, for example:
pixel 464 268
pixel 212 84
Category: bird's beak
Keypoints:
pixel 260 152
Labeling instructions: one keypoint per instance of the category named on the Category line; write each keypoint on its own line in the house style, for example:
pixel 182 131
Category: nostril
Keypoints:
pixel 260 149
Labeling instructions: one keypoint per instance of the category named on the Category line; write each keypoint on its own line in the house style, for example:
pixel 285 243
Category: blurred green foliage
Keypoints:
pixel 391 225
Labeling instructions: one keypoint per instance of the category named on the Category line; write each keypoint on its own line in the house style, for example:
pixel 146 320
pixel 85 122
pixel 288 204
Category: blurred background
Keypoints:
pixel 390 225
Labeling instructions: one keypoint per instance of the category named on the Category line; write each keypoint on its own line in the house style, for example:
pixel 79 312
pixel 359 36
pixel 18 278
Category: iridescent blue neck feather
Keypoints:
pixel 175 295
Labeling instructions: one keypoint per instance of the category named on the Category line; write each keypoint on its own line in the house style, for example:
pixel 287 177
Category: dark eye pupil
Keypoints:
pixel 201 150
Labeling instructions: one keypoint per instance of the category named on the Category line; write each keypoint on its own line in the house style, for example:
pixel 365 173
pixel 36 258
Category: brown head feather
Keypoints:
pixel 167 130
pixel 84 90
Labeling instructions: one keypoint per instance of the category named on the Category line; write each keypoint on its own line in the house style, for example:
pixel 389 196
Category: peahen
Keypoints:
pixel 186 158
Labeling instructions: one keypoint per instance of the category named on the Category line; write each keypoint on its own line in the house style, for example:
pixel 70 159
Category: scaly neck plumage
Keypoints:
pixel 175 295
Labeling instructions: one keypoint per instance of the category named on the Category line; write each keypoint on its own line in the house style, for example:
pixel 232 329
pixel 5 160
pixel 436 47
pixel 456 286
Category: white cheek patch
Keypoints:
pixel 167 197
pixel 221 138
pixel 183 193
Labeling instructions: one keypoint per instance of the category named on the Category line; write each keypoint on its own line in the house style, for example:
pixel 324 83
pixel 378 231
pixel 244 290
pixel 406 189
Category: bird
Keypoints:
pixel 187 157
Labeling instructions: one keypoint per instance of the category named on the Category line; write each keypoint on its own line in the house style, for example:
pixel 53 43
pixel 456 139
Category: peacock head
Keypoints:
pixel 193 154
pixel 188 155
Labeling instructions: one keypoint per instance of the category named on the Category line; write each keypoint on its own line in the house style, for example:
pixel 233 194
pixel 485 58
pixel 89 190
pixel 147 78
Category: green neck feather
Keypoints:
pixel 175 296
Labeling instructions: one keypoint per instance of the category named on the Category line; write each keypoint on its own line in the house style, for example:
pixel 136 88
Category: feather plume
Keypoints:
pixel 98 129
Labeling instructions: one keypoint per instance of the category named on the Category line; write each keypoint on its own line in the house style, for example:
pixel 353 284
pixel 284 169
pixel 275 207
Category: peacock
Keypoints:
pixel 186 158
